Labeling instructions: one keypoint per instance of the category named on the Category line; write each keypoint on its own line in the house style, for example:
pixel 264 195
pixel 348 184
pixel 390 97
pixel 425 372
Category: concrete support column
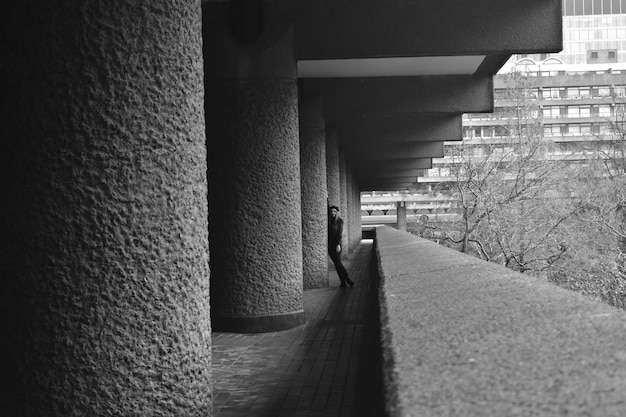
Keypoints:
pixel 332 170
pixel 351 206
pixel 401 215
pixel 356 213
pixel 314 194
pixel 343 198
pixel 254 171
pixel 105 277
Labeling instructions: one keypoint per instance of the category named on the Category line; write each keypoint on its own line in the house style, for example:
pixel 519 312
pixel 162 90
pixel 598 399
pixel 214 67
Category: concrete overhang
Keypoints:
pixel 353 29
pixel 372 61
pixel 400 127
pixel 390 151
pixel 356 38
pixel 390 165
pixel 343 98
pixel 390 186
pixel 388 173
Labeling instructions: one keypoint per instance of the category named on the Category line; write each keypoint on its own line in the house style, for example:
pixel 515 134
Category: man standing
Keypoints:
pixel 335 231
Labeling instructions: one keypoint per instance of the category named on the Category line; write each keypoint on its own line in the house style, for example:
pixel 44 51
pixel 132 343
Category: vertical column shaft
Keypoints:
pixel 401 215
pixel 254 171
pixel 343 198
pixel 106 287
pixel 332 169
pixel 314 194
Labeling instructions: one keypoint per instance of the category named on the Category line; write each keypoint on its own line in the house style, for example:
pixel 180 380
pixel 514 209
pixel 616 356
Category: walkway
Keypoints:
pixel 314 370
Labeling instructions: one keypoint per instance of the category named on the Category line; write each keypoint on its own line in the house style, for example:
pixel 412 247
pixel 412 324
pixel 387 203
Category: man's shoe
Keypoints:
pixel 343 285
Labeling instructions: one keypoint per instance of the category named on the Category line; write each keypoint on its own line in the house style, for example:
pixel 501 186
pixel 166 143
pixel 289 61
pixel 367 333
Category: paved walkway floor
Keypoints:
pixel 327 367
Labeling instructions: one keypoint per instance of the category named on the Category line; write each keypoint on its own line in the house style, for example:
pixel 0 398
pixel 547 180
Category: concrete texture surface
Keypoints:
pixel 463 337
pixel 106 296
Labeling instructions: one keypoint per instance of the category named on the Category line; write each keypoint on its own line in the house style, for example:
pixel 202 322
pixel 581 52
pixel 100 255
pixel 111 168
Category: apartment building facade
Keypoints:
pixel 578 95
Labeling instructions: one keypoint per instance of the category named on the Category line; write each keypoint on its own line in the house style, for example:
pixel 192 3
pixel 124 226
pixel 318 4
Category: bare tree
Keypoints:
pixel 505 187
pixel 597 234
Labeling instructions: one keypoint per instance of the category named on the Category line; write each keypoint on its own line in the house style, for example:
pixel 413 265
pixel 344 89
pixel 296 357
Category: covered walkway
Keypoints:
pixel 318 369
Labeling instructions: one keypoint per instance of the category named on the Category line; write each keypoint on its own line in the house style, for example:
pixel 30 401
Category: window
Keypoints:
pixel 604 111
pixel 585 111
pixel 611 54
pixel 573 111
pixel 585 129
pixel 594 55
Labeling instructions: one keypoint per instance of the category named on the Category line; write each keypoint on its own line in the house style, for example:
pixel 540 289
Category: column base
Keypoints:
pixel 258 324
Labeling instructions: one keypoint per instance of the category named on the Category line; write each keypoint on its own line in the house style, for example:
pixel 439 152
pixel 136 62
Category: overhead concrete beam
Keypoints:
pixel 346 97
pixel 389 173
pixel 383 165
pixel 386 186
pixel 394 151
pixel 400 127
pixel 331 29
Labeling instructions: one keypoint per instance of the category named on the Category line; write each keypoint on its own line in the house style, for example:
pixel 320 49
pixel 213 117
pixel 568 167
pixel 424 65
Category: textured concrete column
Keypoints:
pixel 314 194
pixel 105 278
pixel 254 171
pixel 332 175
pixel 343 198
pixel 332 169
pixel 401 215
pixel 350 200
pixel 356 212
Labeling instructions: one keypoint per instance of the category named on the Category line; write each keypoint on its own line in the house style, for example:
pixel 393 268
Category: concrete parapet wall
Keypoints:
pixel 461 336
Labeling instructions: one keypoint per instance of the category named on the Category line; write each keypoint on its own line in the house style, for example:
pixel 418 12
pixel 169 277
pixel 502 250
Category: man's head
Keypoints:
pixel 333 210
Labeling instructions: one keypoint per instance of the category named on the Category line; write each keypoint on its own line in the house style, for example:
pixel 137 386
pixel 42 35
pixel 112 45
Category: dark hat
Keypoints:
pixel 333 207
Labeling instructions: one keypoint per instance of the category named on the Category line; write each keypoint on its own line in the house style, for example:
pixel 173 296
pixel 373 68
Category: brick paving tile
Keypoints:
pixel 317 369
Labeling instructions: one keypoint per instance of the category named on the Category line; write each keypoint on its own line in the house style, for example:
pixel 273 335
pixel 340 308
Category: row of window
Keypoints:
pixel 603 110
pixel 569 129
pixel 549 93
pixel 589 7
pixel 607 111
pixel 594 34
pixel 597 21
pixel 445 172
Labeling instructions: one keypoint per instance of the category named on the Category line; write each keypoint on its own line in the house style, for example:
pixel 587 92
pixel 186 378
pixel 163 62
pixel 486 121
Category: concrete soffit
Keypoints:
pixel 394 78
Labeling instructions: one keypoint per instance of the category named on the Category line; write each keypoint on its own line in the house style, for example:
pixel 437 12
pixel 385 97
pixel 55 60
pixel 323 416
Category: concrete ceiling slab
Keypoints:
pixel 400 127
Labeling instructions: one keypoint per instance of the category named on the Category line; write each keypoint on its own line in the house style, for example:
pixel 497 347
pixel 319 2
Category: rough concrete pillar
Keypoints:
pixel 332 169
pixel 401 215
pixel 314 194
pixel 356 213
pixel 254 171
pixel 351 205
pixel 343 198
pixel 105 277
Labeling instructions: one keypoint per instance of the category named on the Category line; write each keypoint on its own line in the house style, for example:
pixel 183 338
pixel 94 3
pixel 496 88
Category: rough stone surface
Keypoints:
pixel 345 208
pixel 314 211
pixel 106 282
pixel 332 170
pixel 255 214
pixel 465 337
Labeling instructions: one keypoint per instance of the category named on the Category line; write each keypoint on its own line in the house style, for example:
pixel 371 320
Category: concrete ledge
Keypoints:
pixel 465 337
